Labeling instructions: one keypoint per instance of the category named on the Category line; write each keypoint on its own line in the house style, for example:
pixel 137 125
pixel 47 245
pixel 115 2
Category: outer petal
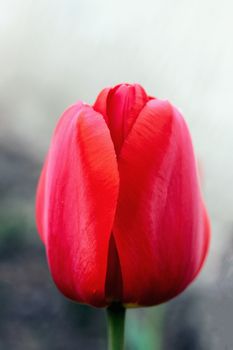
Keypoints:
pixel 161 229
pixel 41 216
pixel 77 199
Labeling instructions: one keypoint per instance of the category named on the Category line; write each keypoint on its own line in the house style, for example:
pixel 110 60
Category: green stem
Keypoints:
pixel 116 323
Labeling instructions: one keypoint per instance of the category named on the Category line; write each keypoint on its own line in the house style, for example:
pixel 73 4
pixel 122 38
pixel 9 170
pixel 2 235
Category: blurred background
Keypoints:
pixel 55 52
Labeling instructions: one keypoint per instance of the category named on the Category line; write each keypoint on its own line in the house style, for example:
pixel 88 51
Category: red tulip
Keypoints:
pixel 119 207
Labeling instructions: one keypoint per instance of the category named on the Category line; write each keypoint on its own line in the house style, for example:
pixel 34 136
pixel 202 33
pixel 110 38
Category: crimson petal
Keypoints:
pixel 76 203
pixel 161 228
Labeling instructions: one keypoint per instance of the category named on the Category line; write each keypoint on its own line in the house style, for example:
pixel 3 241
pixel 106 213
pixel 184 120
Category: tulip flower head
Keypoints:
pixel 118 206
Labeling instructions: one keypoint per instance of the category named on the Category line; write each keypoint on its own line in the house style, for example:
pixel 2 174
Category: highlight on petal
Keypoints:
pixel 76 202
pixel 40 193
pixel 161 231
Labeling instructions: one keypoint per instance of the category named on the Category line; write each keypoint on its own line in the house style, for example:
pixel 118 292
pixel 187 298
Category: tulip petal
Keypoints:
pixel 120 107
pixel 40 193
pixel 76 202
pixel 100 104
pixel 161 228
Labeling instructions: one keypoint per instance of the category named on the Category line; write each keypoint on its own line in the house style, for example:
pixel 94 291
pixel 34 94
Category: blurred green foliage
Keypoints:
pixel 144 328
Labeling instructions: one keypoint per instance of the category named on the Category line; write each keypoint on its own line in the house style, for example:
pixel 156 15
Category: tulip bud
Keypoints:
pixel 118 206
